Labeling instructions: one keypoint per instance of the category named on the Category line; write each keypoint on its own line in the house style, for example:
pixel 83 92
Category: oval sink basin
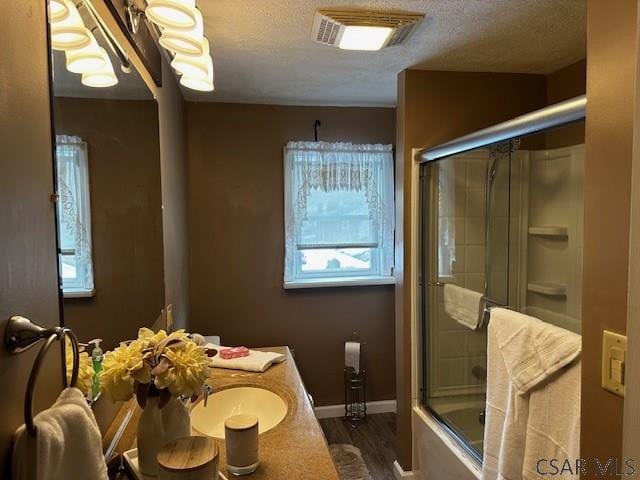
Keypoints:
pixel 264 404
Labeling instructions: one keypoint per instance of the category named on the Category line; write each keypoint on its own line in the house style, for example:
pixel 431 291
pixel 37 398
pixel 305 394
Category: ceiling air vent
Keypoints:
pixel 361 29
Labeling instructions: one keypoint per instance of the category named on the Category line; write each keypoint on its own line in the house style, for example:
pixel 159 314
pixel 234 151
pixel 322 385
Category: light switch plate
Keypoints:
pixel 614 356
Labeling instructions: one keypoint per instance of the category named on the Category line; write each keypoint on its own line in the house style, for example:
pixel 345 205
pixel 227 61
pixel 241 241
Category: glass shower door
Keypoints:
pixel 465 241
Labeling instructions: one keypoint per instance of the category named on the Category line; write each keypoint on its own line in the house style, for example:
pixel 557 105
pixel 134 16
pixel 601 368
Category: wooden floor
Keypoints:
pixel 375 438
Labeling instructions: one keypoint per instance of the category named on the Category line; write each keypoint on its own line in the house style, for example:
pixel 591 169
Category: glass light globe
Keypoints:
pixel 193 66
pixel 58 10
pixel 88 59
pixel 200 84
pixel 174 14
pixel 198 81
pixel 185 42
pixel 70 33
pixel 105 77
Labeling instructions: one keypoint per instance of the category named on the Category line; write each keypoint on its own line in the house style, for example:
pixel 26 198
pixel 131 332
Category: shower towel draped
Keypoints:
pixel 67 443
pixel 463 305
pixel 533 397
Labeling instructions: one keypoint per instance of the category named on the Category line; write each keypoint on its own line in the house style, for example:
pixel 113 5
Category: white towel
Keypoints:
pixel 463 305
pixel 67 443
pixel 256 361
pixel 533 397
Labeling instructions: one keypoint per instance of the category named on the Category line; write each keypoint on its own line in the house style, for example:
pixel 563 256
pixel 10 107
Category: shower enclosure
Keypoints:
pixel 504 220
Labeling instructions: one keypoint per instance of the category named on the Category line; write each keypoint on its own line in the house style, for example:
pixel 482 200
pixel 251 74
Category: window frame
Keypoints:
pixel 319 279
pixel 74 288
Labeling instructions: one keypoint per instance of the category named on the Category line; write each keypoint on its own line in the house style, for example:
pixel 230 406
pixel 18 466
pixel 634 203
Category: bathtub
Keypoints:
pixel 437 455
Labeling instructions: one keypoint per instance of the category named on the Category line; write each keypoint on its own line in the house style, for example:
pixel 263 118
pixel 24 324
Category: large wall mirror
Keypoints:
pixel 107 164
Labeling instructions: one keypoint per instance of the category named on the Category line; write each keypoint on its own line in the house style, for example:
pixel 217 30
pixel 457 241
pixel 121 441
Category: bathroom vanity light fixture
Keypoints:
pixel 180 28
pixel 68 31
pixel 362 29
pixel 82 52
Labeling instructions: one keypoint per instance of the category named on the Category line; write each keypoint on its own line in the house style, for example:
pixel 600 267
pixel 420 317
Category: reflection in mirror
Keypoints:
pixel 504 221
pixel 107 161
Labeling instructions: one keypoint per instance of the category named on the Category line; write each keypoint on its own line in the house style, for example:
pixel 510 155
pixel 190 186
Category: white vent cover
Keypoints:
pixel 329 25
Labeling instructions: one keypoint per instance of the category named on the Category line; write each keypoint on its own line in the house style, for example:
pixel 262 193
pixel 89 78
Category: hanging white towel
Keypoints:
pixel 463 305
pixel 67 443
pixel 533 397
pixel 256 361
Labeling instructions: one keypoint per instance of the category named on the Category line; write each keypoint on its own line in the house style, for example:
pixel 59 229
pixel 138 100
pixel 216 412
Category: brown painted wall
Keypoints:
pixel 434 107
pixel 28 271
pixel 566 83
pixel 237 244
pixel 611 69
pixel 126 216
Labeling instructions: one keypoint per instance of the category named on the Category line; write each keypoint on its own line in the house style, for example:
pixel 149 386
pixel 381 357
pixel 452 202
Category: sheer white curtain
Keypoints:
pixel 74 215
pixel 366 172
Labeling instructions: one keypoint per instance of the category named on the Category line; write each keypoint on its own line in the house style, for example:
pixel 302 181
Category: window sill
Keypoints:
pixel 339 282
pixel 79 293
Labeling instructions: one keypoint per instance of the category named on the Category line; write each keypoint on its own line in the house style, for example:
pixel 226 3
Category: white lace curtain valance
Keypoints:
pixel 344 167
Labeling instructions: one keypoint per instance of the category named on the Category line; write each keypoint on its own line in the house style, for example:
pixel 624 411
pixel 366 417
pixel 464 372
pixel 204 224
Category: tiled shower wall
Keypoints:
pixel 456 350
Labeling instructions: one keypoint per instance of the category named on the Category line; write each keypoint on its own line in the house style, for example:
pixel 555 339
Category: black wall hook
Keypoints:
pixel 316 124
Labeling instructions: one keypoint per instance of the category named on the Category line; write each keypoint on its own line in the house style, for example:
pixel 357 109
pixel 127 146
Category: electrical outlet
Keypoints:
pixel 614 356
pixel 169 318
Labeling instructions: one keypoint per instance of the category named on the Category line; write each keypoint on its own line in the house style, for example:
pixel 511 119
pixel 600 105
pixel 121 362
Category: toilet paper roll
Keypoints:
pixel 352 355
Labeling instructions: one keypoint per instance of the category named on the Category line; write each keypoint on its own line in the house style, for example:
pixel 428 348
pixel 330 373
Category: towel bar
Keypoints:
pixel 20 335
pixel 489 304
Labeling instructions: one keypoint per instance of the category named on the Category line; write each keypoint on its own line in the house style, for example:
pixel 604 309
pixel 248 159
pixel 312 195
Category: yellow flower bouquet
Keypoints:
pixel 161 364
pixel 85 369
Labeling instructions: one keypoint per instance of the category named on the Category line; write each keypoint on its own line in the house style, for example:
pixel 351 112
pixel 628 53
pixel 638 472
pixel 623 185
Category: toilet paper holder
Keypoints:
pixel 355 392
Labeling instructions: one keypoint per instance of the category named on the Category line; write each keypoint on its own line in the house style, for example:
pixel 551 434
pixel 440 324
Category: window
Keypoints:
pixel 74 217
pixel 339 214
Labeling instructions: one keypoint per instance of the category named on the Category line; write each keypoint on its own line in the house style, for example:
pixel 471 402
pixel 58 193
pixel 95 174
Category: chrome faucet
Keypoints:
pixel 206 391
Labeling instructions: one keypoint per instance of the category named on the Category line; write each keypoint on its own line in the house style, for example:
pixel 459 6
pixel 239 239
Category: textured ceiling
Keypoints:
pixel 263 53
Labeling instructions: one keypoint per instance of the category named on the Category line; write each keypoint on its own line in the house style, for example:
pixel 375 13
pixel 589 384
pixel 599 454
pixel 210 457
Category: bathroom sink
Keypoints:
pixel 264 404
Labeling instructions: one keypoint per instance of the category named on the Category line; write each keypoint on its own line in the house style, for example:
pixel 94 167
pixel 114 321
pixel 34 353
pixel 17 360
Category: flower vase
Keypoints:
pixel 156 428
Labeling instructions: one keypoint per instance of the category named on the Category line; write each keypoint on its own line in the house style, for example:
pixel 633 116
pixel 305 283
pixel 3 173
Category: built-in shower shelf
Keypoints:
pixel 549 231
pixel 548 288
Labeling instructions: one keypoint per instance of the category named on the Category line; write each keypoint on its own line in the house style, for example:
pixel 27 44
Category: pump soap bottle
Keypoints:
pixel 97 355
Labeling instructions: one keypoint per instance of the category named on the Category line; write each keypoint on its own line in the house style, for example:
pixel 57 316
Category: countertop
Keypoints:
pixel 294 449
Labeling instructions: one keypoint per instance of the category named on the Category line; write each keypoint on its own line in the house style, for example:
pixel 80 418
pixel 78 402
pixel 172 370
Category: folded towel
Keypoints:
pixel 463 305
pixel 67 443
pixel 256 361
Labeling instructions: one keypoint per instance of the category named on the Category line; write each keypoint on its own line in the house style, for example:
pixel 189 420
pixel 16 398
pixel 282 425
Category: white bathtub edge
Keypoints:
pixel 401 474
pixel 469 462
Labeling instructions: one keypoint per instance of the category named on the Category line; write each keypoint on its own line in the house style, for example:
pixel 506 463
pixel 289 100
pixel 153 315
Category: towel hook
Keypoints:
pixel 20 335
pixel 317 124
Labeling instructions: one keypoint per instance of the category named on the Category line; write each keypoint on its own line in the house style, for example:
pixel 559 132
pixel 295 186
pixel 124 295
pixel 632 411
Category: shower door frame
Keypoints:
pixel 563 113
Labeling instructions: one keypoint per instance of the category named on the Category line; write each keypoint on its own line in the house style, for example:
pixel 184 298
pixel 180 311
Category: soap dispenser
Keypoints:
pixel 97 355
